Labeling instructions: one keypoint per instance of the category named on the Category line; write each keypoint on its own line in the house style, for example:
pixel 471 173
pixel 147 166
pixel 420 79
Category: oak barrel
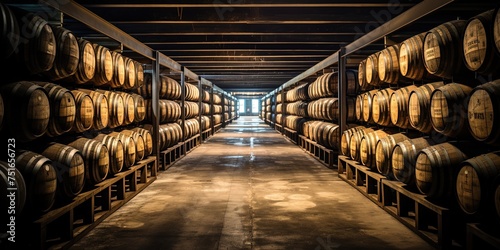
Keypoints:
pixel 129 148
pixel 435 170
pixel 346 139
pixel 62 108
pixel 388 65
pixel 359 107
pixel 399 106
pixel 139 74
pixel 118 70
pixel 38 51
pixel 41 181
pixel 404 156
pixel 363 83
pixel 381 113
pixel 419 106
pixel 116 152
pixel 449 109
pixel 70 167
pixel 367 105
pixel 101 112
pixel 484 112
pixel 9 32
pixel 148 140
pixel 443 55
pixel 383 152
pixel 27 110
pixel 355 142
pixel 411 58
pixel 86 67
pixel 139 108
pixel 129 108
pixel 67 54
pixel 479 45
pixel 130 74
pixel 139 143
pixel 96 159
pixel 475 184
pixel 368 145
pixel 104 65
pixel 116 108
pixel 371 70
pixel 16 181
pixel 84 111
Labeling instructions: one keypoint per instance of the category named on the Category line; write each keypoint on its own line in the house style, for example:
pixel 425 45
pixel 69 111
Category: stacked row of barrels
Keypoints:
pixel 217 109
pixel 446 172
pixel 34 109
pixel 59 172
pixel 57 54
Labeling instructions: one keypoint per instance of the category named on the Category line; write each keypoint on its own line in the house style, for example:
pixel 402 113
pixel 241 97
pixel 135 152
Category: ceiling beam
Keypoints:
pixel 251 5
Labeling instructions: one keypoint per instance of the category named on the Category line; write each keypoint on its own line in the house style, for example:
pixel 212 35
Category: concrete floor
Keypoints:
pixel 249 188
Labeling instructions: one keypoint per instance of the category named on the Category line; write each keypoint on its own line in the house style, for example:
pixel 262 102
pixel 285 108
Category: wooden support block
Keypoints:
pixel 133 181
pixel 120 189
pixel 106 198
pixel 67 222
pixel 144 174
pixel 88 210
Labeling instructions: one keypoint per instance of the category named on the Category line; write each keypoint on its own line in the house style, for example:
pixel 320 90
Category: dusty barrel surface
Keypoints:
pixel 27 110
pixel 69 164
pixel 383 152
pixel 475 184
pixel 419 106
pixel 404 156
pixel 484 112
pixel 435 170
pixel 41 181
pixel 96 157
pixel 449 109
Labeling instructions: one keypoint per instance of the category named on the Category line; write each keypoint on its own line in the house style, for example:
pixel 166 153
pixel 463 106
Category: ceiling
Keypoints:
pixel 255 45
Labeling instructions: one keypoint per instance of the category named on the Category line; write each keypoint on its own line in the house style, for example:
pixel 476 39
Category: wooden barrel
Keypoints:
pixel 39 50
pixel 371 70
pixel 329 134
pixel 116 108
pixel 16 181
pixel 355 142
pixel 67 54
pixel 346 139
pixel 368 145
pixel 399 106
pixel 367 105
pixel 129 114
pixel 381 107
pixel 139 74
pixel 86 68
pixel 116 152
pixel 41 181
pixel 351 77
pixel 27 110
pixel 443 55
pixel 479 44
pixel 139 143
pixel 496 30
pixel 62 108
pixel 419 106
pixel 435 170
pixel 96 159
pixel 388 66
pixel 148 140
pixel 359 107
pixel 383 152
pixel 139 108
pixel 169 88
pixel 475 184
pixel 104 65
pixel 118 70
pixel 449 109
pixel 130 74
pixel 483 112
pixel 9 30
pixel 84 111
pixel 363 84
pixel 129 148
pixel 404 156
pixel 101 112
pixel 70 167
pixel 411 58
